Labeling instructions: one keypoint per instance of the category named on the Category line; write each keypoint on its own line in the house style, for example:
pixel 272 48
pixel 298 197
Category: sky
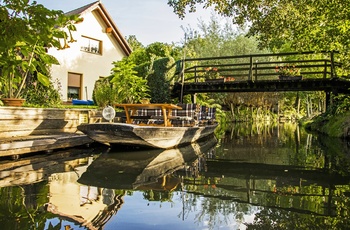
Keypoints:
pixel 149 20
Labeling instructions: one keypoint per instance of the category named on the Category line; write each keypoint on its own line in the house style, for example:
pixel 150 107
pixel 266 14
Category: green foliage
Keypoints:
pixel 39 95
pixel 341 104
pixel 331 125
pixel 128 87
pixel 147 72
pixel 222 39
pixel 158 49
pixel 305 24
pixel 27 29
pixel 153 63
pixel 19 212
pixel 134 43
pixel 123 86
pixel 103 93
pixel 159 79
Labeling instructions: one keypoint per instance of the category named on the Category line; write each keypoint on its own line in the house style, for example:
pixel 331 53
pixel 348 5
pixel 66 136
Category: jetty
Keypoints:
pixel 27 130
pixel 15 146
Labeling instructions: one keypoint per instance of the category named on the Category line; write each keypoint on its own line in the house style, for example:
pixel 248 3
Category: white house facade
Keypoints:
pixel 98 44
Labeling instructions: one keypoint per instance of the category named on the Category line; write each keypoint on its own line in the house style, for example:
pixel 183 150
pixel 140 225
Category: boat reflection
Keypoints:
pixel 143 170
pixel 103 182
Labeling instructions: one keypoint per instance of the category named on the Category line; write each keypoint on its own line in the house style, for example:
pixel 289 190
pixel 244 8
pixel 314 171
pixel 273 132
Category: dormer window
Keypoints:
pixel 91 45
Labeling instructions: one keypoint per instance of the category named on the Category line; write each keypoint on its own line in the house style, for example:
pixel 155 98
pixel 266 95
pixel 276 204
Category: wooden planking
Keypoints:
pixel 21 121
pixel 23 145
pixel 21 133
pixel 33 113
pixel 41 124
pixel 26 130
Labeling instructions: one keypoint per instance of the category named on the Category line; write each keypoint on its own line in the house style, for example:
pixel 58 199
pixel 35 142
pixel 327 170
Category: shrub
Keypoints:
pixel 159 80
pixel 39 95
pixel 103 93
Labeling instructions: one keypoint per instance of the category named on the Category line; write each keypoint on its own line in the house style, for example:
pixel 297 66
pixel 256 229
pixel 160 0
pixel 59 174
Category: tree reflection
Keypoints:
pixel 292 181
pixel 22 207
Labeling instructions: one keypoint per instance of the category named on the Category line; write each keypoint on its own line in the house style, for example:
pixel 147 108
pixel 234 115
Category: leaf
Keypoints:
pixel 19 44
pixel 45 80
pixel 25 52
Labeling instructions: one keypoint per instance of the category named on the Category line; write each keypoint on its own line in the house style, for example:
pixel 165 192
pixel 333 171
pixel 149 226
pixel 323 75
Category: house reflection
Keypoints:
pixel 88 206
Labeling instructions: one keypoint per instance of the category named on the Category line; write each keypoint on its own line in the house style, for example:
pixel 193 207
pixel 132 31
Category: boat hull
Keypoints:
pixel 145 136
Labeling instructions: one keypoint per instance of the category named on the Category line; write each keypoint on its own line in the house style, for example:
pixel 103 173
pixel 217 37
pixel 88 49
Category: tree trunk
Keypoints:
pixel 232 111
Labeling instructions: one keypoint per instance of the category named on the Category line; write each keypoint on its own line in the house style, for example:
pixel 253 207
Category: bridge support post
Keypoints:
pixel 328 100
pixel 193 98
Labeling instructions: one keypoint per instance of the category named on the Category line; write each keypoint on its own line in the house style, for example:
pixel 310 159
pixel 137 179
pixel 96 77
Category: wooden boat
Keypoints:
pixel 144 169
pixel 154 125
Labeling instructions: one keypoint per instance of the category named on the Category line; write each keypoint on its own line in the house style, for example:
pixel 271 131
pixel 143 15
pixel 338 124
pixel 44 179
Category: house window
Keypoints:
pixel 74 86
pixel 91 45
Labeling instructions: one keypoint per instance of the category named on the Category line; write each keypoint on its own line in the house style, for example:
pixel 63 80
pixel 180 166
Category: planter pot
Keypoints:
pixel 13 101
pixel 289 78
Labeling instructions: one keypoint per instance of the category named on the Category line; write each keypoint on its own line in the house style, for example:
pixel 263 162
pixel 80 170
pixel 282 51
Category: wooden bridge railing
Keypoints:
pixel 255 67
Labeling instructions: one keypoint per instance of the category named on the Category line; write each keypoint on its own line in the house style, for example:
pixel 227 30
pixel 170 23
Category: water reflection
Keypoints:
pixel 288 174
pixel 96 189
pixel 142 170
pixel 256 177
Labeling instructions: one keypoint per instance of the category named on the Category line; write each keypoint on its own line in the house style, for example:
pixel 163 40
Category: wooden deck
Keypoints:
pixel 27 130
pixel 15 146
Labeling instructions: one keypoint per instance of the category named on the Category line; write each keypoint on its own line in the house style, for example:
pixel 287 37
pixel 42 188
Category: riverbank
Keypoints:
pixel 333 126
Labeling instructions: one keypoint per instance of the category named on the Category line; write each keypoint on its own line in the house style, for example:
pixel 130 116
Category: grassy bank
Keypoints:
pixel 333 126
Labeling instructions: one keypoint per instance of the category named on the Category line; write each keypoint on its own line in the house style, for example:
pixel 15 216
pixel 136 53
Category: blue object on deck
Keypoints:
pixel 82 102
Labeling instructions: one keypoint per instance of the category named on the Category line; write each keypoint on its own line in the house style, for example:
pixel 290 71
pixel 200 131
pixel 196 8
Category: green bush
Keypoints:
pixel 159 80
pixel 38 95
pixel 103 93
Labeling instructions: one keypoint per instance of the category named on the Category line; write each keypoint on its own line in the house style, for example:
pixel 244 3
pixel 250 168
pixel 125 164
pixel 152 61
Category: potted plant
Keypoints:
pixel 27 31
pixel 288 72
pixel 18 64
pixel 212 74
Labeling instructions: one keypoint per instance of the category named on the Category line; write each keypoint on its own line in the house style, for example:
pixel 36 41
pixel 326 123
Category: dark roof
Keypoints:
pixel 82 9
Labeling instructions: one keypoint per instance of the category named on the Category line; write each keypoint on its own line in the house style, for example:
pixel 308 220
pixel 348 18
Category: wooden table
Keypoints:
pixel 166 110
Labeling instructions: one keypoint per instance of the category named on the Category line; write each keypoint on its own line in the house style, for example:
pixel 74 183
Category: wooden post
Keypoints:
pixel 256 70
pixel 195 74
pixel 328 100
pixel 333 74
pixel 182 74
pixel 194 98
pixel 250 68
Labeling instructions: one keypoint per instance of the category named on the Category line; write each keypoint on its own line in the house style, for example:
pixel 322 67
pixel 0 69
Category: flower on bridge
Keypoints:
pixel 211 73
pixel 288 70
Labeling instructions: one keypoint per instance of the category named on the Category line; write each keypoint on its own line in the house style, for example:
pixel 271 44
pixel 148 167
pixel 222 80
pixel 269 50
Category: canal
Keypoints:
pixel 255 177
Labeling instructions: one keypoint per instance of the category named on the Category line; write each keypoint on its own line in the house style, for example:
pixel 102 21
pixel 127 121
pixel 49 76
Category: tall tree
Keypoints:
pixel 305 24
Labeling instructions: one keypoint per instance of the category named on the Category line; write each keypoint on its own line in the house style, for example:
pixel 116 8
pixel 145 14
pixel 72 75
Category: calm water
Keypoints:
pixel 255 177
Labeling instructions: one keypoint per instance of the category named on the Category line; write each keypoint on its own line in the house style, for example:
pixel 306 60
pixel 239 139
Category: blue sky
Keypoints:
pixel 149 20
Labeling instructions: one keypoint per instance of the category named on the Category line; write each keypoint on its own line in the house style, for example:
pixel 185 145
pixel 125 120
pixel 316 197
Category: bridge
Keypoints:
pixel 260 73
